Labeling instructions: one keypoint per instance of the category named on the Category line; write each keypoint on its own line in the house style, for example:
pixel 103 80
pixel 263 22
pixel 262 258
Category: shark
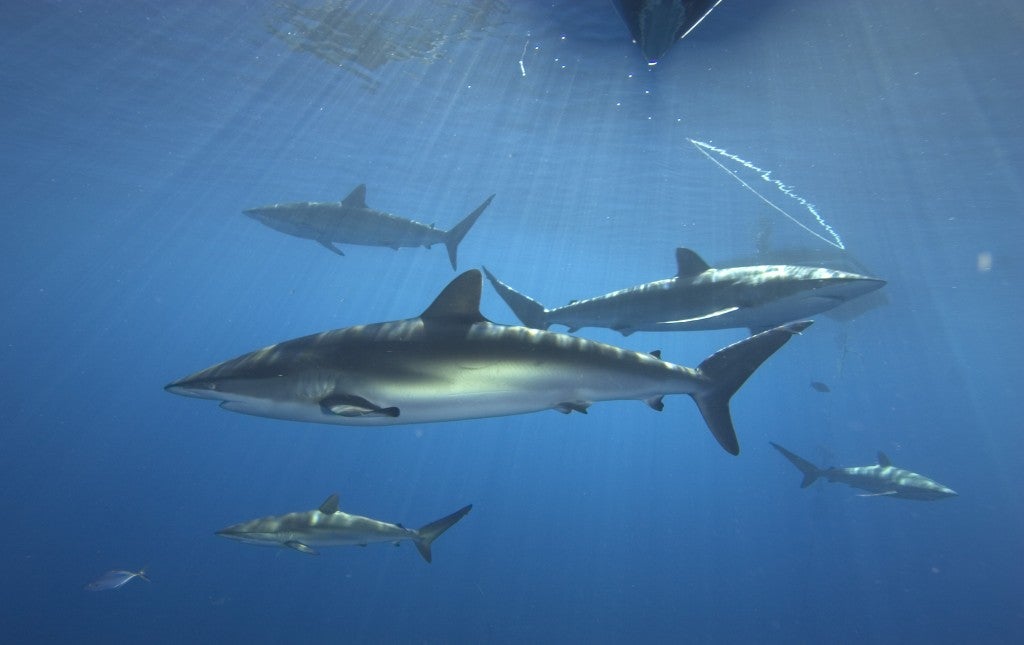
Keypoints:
pixel 880 480
pixel 328 526
pixel 351 221
pixel 700 298
pixel 450 363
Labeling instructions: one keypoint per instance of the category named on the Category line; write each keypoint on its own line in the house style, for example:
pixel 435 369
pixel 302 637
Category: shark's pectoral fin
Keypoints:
pixel 350 405
pixel 656 403
pixel 330 247
pixel 882 494
pixel 573 406
pixel 300 547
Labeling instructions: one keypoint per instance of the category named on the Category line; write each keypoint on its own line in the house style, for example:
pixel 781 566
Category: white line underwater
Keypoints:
pixel 766 175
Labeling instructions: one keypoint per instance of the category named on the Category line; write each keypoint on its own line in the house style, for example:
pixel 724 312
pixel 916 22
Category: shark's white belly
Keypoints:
pixel 469 390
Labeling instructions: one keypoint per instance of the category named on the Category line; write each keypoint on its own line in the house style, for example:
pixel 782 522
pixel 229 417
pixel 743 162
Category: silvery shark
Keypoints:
pixel 882 479
pixel 328 526
pixel 451 363
pixel 700 298
pixel 351 221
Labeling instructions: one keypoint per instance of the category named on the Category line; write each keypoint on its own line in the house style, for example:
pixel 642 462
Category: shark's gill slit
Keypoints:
pixel 833 237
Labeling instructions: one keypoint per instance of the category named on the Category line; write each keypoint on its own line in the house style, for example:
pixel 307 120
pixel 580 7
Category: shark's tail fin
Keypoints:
pixel 530 312
pixel 142 574
pixel 427 534
pixel 810 471
pixel 454 236
pixel 727 369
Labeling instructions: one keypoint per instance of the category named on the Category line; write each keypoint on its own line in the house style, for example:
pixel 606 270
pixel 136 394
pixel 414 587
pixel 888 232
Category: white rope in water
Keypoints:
pixel 836 241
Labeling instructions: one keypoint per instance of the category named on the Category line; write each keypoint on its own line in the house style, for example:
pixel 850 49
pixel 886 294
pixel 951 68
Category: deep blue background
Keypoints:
pixel 135 133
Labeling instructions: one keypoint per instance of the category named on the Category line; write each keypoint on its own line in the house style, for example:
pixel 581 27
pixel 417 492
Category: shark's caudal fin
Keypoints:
pixel 727 369
pixel 810 471
pixel 530 312
pixel 454 236
pixel 427 534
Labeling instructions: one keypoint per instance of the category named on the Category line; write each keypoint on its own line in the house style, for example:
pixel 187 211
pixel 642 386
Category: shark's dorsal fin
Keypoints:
pixel 689 264
pixel 330 505
pixel 357 198
pixel 883 459
pixel 459 301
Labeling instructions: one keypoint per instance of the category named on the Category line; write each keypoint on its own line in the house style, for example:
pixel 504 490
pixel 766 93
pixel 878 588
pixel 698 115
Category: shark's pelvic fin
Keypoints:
pixel 357 198
pixel 566 407
pixel 689 264
pixel 300 547
pixel 427 534
pixel 327 244
pixel 330 505
pixel 530 312
pixel 810 471
pixel 728 369
pixel 454 236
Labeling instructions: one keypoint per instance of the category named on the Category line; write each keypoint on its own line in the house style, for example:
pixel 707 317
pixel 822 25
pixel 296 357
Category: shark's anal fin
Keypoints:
pixel 300 547
pixel 350 405
pixel 573 406
pixel 330 247
pixel 330 505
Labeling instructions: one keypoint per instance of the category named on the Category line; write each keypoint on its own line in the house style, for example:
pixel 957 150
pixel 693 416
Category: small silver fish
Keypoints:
pixel 115 579
pixel 820 387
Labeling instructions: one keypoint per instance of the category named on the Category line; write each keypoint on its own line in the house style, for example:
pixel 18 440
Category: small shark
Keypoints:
pixel 700 298
pixel 327 526
pixel 451 363
pixel 351 221
pixel 657 24
pixel 882 479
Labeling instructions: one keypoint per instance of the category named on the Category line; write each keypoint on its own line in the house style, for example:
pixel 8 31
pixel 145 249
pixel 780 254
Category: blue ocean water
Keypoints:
pixel 136 133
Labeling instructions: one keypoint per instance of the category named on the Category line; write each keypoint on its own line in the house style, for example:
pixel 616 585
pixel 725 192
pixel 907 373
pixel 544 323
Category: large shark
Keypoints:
pixel 882 479
pixel 327 526
pixel 451 363
pixel 701 298
pixel 351 221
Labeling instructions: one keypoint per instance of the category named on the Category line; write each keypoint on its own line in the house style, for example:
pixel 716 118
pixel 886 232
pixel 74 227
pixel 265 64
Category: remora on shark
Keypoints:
pixel 451 363
pixel 700 297
pixel 351 221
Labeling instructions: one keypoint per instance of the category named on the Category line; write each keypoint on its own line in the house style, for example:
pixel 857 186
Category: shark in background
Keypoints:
pixel 451 363
pixel 328 526
pixel 351 221
pixel 881 479
pixel 700 297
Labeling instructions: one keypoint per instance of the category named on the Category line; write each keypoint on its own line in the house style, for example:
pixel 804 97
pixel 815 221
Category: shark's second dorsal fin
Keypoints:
pixel 330 505
pixel 357 198
pixel 689 264
pixel 459 301
pixel 883 459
